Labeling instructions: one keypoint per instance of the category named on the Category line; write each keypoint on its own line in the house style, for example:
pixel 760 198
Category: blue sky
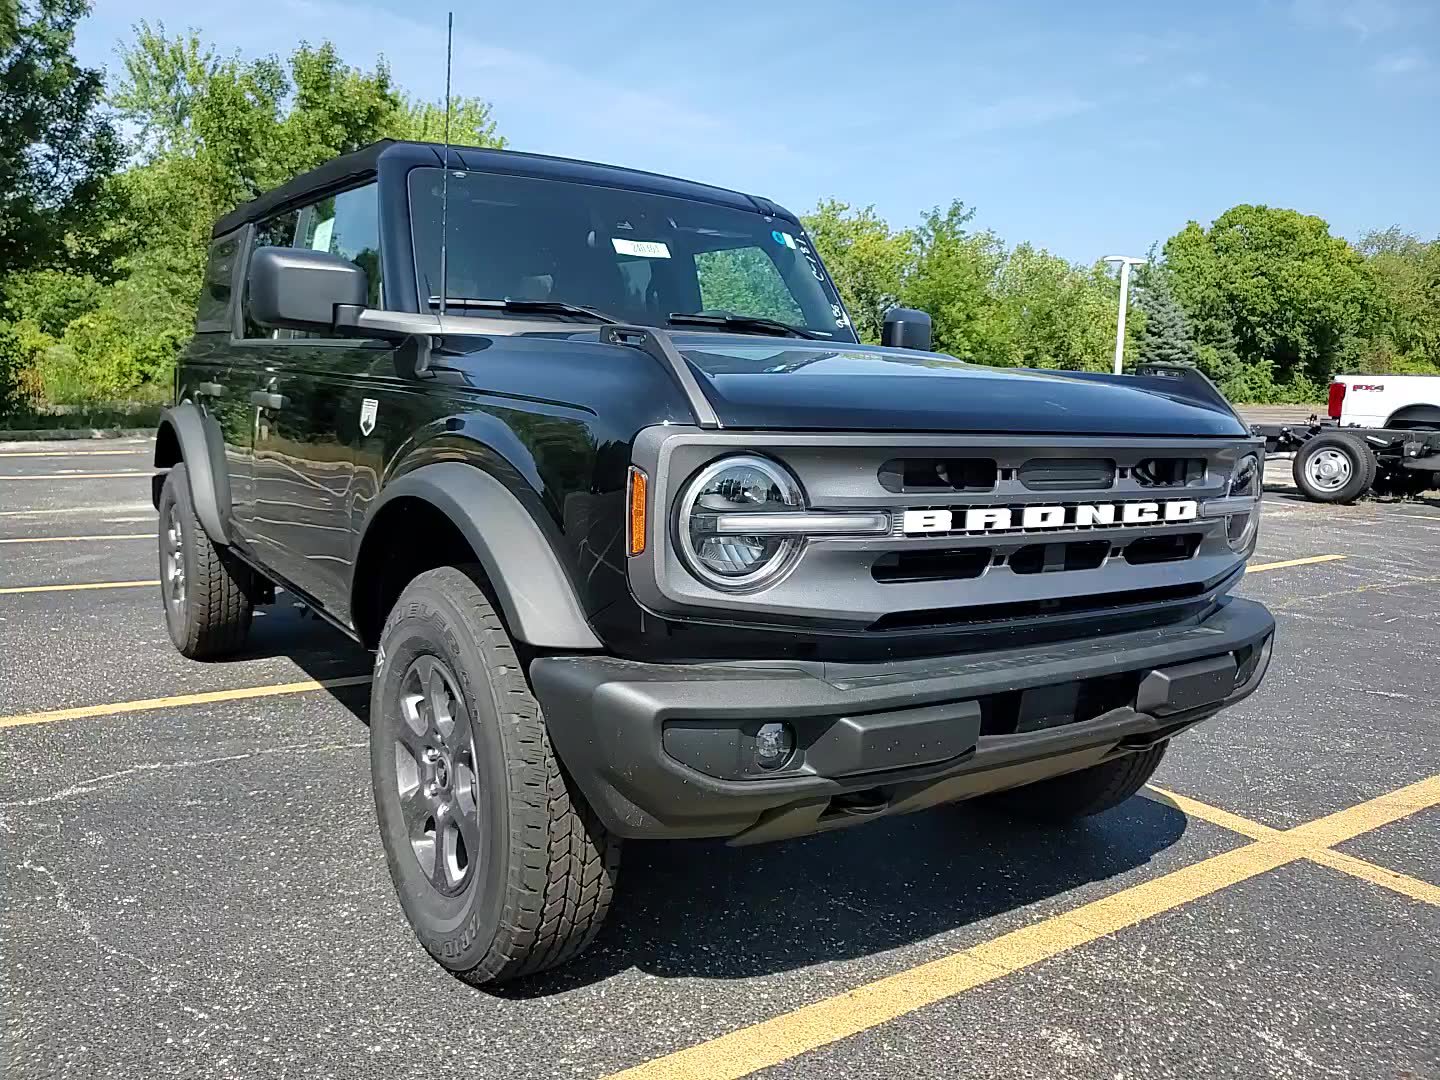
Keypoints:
pixel 1087 128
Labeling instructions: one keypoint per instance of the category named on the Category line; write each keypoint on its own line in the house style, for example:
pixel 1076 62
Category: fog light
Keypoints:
pixel 774 743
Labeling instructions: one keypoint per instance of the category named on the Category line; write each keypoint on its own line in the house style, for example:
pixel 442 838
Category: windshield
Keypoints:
pixel 634 256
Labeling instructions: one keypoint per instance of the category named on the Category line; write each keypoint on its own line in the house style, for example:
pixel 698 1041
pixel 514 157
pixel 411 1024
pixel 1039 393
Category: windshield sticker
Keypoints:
pixel 645 249
pixel 783 238
pixel 841 319
pixel 323 232
pixel 812 260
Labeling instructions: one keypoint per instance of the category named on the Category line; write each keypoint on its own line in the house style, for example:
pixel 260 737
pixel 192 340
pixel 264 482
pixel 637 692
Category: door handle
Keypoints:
pixel 267 400
pixel 209 389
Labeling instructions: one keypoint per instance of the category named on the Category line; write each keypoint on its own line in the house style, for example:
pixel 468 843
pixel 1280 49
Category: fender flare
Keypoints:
pixel 534 591
pixel 200 448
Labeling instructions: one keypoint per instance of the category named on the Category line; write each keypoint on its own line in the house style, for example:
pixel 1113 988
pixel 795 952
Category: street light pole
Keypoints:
pixel 1126 262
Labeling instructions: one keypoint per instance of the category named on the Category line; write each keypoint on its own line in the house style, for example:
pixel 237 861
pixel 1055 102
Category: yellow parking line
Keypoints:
pixel 791 1034
pixel 77 588
pixel 243 694
pixel 75 475
pixel 1377 875
pixel 1292 562
pixel 77 539
pixel 1320 852
pixel 1367 816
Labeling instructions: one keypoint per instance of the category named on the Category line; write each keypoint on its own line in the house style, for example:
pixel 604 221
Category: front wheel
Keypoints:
pixel 1336 467
pixel 500 866
pixel 1084 793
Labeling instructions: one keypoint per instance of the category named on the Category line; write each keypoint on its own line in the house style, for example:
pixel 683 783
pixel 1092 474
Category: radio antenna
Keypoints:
pixel 445 172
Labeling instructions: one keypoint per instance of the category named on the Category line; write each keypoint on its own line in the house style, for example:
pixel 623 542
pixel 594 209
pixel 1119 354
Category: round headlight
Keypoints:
pixel 724 490
pixel 1245 482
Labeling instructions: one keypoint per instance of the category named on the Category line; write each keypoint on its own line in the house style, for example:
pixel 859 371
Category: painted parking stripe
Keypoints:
pixel 1324 855
pixel 121 708
pixel 17 589
pixel 1311 560
pixel 68 475
pixel 77 539
pixel 139 450
pixel 114 508
pixel 791 1034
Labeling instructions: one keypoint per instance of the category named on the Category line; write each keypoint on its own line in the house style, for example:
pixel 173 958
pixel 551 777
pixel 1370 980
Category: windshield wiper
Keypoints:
pixel 739 322
pixel 539 307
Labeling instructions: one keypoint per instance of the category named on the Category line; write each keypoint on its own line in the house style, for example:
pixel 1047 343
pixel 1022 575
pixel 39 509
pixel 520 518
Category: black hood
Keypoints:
pixel 803 385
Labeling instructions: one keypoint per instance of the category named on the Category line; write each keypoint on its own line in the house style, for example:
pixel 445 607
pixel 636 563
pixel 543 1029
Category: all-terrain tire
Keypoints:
pixel 1084 793
pixel 544 876
pixel 1360 460
pixel 208 614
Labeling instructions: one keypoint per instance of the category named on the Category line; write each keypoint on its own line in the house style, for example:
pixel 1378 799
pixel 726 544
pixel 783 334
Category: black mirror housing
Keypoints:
pixel 298 289
pixel 906 328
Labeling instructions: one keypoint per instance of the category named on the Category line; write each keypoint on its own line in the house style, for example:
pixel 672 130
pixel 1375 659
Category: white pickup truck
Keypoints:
pixel 1382 434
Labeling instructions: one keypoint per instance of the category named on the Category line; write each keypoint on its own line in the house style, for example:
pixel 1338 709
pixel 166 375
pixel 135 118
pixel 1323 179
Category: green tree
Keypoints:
pixel 953 279
pixel 868 260
pixel 1276 303
pixel 1165 337
pixel 471 123
pixel 1406 271
pixel 57 146
pixel 1054 314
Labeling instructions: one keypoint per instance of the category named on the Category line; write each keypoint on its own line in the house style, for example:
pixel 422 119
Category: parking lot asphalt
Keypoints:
pixel 191 884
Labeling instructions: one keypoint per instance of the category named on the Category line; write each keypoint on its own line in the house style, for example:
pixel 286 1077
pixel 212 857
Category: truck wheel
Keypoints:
pixel 1336 467
pixel 206 590
pixel 500 866
pixel 1081 794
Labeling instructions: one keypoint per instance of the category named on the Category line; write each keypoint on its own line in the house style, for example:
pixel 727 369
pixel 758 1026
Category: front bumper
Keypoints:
pixel 663 750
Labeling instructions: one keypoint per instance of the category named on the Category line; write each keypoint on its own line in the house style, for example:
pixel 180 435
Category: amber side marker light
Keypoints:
pixel 636 539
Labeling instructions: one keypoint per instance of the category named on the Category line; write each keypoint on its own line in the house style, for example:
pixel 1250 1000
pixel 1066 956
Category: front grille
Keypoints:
pixel 938 618
pixel 927 474
pixel 1068 474
pixel 1167 472
pixel 1001 527
pixel 1055 558
pixel 1158 549
pixel 938 565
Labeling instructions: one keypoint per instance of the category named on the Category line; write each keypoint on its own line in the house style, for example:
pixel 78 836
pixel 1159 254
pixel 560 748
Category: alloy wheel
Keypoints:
pixel 172 560
pixel 436 777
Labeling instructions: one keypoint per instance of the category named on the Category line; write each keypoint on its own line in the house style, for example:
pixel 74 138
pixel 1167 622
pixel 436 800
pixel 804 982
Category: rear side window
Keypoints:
pixel 346 224
pixel 278 231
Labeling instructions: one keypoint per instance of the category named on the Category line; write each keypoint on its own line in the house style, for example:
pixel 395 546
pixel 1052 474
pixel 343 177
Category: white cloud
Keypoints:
pixel 1401 63
pixel 1363 17
pixel 1022 111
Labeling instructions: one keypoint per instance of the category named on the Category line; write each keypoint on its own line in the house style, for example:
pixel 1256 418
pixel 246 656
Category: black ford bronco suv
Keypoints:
pixel 647 544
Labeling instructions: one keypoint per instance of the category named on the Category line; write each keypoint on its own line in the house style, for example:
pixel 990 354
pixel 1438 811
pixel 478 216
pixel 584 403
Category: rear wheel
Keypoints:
pixel 206 590
pixel 1081 794
pixel 1336 467
pixel 500 866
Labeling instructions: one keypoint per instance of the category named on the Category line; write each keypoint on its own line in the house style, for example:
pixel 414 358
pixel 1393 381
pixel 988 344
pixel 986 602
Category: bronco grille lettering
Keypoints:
pixel 1083 515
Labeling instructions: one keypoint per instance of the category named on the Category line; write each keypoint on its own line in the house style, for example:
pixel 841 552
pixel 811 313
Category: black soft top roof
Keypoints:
pixel 348 169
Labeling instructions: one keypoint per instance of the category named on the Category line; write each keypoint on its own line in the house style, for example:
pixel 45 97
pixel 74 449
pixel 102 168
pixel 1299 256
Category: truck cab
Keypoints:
pixel 648 545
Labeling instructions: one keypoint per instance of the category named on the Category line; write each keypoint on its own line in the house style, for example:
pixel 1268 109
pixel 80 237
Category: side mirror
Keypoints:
pixel 906 328
pixel 298 289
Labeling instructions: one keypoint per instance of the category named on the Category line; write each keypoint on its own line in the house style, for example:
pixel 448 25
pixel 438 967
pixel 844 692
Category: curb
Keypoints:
pixel 57 434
